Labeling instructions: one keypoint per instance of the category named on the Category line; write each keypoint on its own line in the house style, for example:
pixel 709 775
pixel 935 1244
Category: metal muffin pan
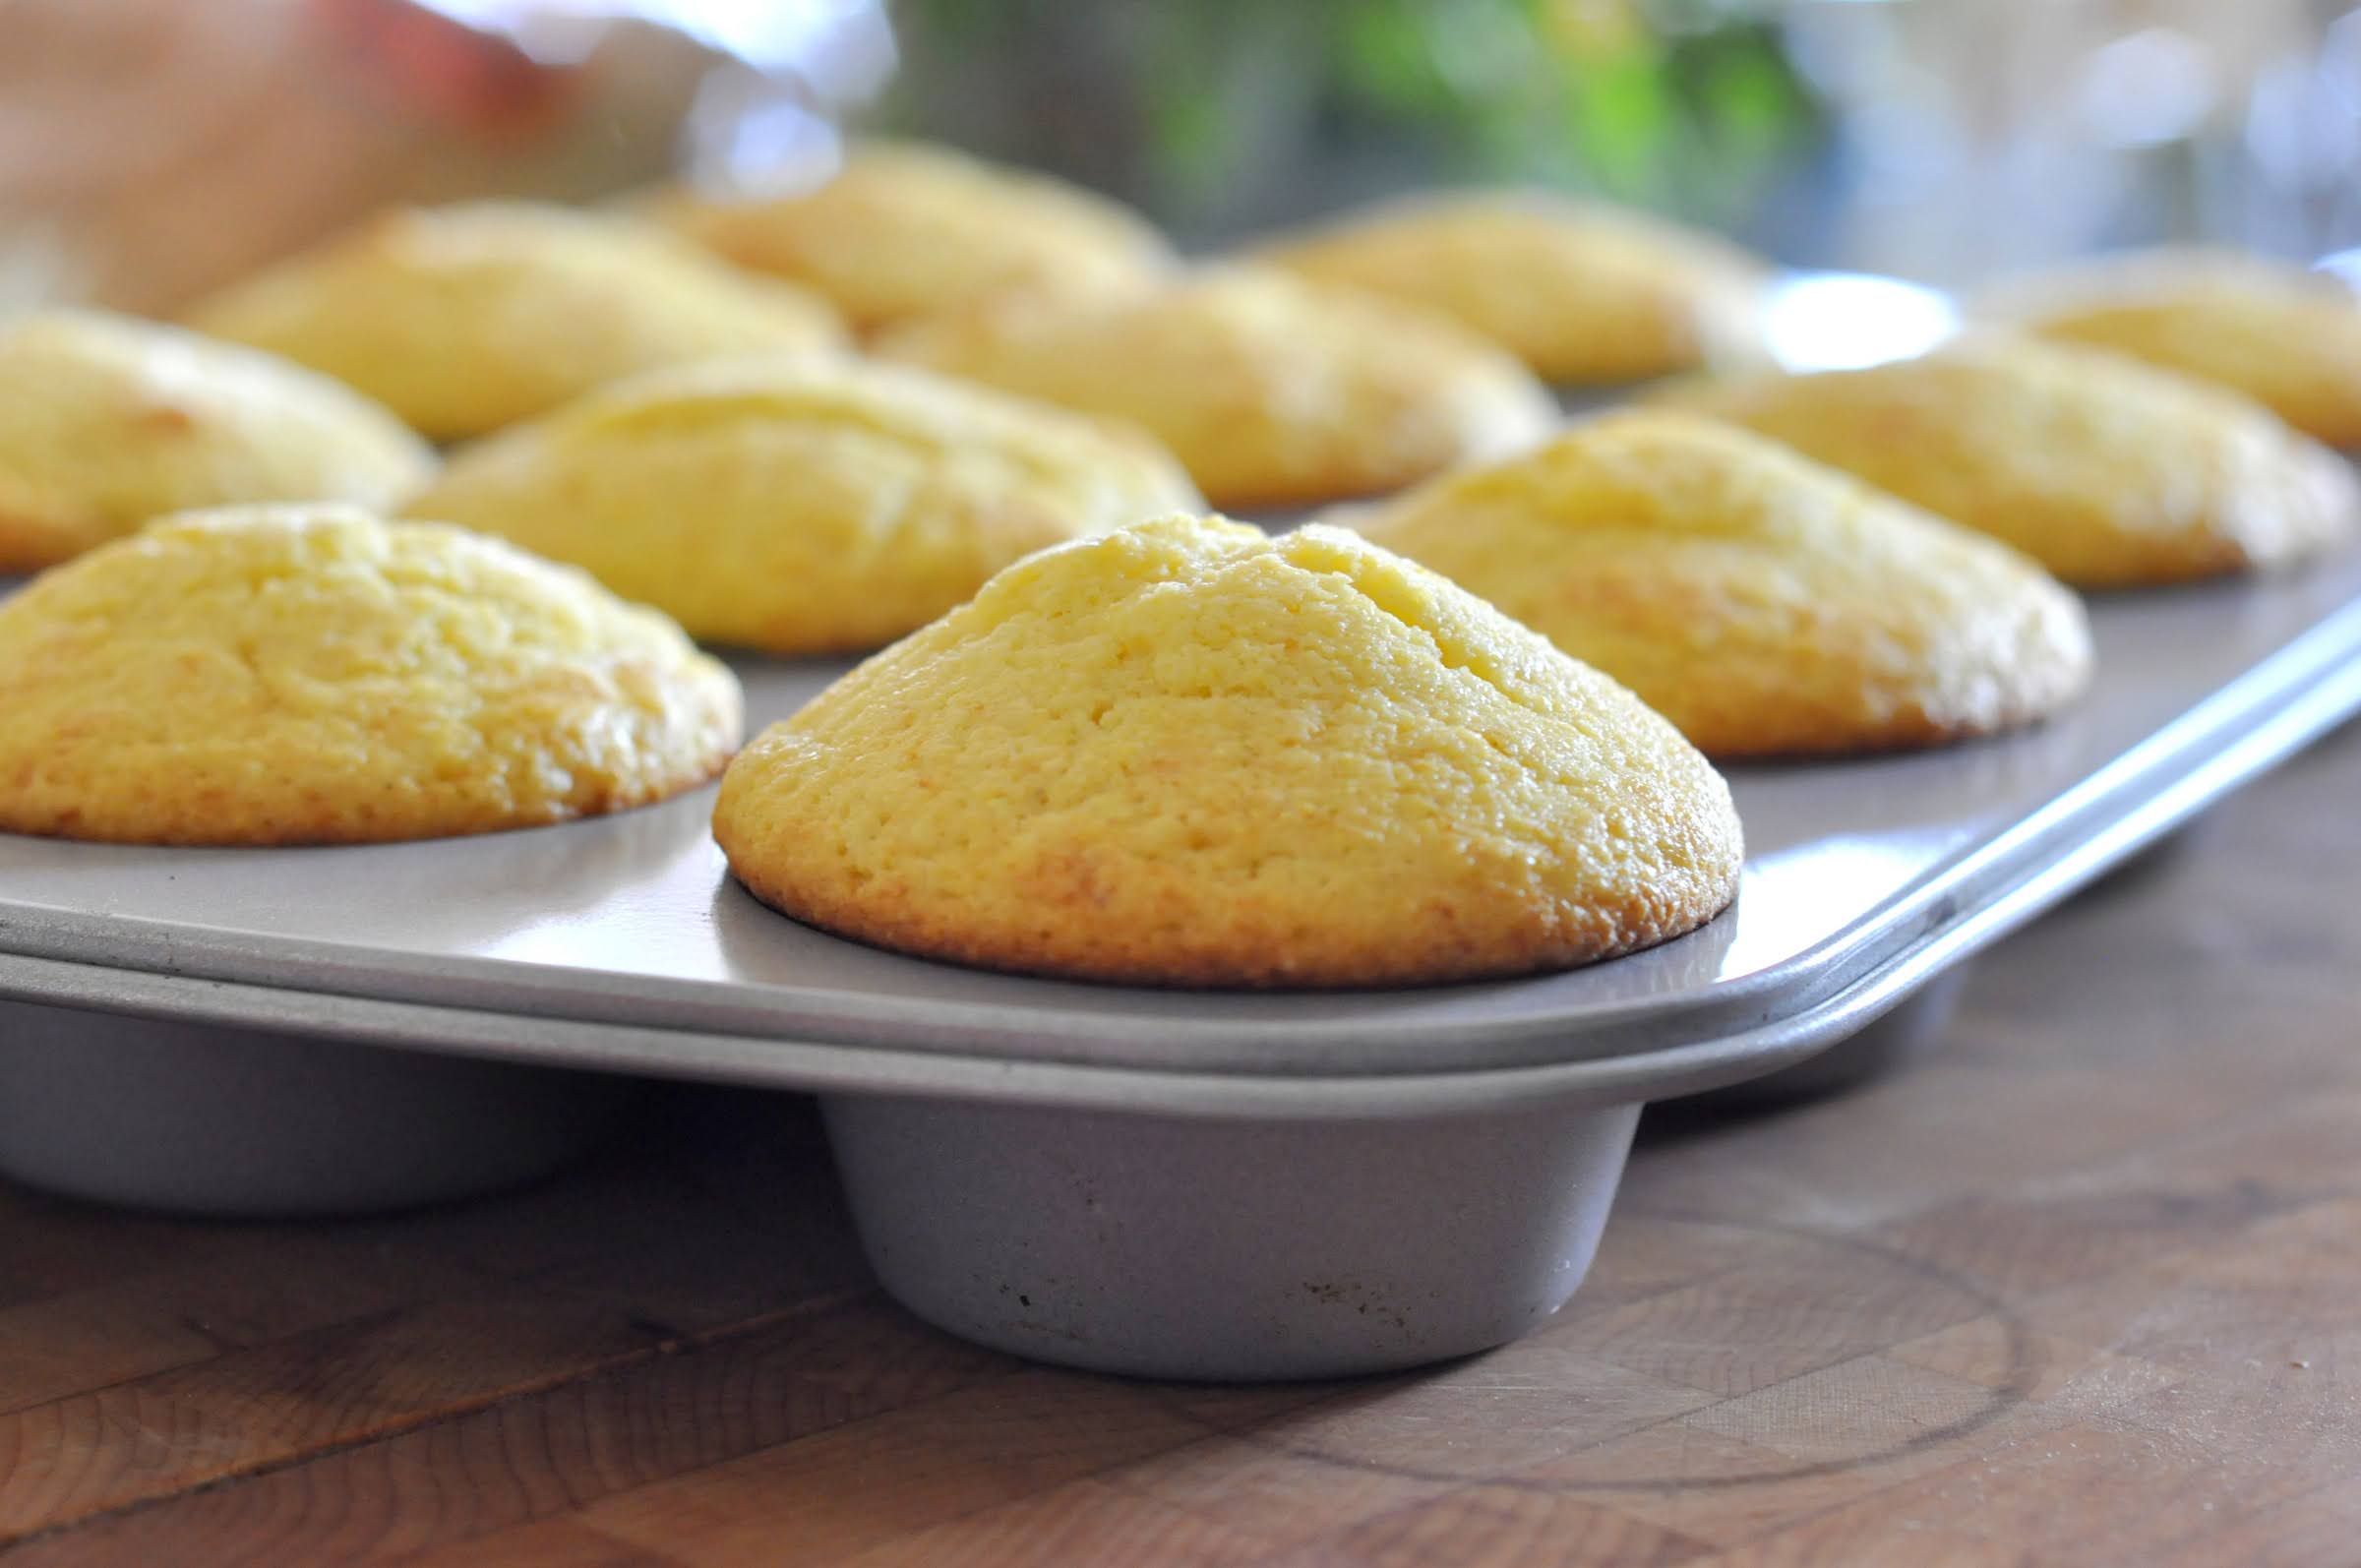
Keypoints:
pixel 1197 1184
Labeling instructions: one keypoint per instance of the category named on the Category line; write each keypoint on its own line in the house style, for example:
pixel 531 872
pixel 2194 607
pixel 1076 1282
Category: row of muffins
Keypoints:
pixel 1352 361
pixel 801 505
pixel 1304 762
pixel 1271 388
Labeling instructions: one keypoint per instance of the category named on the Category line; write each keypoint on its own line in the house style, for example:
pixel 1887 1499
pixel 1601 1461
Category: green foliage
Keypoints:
pixel 1671 104
pixel 1680 104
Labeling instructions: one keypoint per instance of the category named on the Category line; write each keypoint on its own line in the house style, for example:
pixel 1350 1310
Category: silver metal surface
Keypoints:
pixel 1228 1251
pixel 1914 1029
pixel 213 1120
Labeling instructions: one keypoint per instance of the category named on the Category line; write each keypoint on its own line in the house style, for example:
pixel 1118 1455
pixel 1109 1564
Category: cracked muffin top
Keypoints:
pixel 1186 754
pixel 289 675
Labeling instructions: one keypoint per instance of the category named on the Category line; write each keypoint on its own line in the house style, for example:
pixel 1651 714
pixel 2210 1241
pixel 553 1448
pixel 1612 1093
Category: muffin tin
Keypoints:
pixel 1217 1186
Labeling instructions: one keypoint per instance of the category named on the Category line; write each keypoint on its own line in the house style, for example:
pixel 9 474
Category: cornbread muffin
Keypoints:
pixel 1184 753
pixel 2108 472
pixel 1763 604
pixel 904 230
pixel 802 505
pixel 106 422
pixel 1272 391
pixel 1582 292
pixel 2288 338
pixel 308 674
pixel 464 318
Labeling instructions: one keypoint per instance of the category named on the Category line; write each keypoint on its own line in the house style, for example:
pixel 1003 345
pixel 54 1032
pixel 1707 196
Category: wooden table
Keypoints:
pixel 2084 1288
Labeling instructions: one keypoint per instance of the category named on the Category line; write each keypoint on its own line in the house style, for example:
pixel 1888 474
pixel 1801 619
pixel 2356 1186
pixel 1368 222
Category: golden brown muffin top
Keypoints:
pixel 903 231
pixel 2108 472
pixel 1186 753
pixel 2286 336
pixel 309 673
pixel 1271 391
pixel 1765 604
pixel 466 318
pixel 106 421
pixel 1582 292
pixel 804 505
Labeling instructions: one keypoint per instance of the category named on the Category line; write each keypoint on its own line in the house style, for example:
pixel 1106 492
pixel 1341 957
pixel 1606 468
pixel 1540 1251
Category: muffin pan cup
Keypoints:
pixel 221 1119
pixel 1230 1250
pixel 1197 1184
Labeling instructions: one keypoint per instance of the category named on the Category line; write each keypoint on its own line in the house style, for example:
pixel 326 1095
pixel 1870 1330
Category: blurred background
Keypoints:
pixel 152 148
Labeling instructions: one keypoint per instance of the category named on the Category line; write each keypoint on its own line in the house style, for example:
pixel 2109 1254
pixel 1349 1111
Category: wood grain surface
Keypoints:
pixel 2085 1287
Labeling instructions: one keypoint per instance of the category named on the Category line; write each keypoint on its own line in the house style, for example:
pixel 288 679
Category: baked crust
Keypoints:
pixel 106 421
pixel 2288 338
pixel 304 675
pixel 1765 604
pixel 905 231
pixel 802 505
pixel 1582 292
pixel 464 318
pixel 1272 391
pixel 2110 473
pixel 1183 754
